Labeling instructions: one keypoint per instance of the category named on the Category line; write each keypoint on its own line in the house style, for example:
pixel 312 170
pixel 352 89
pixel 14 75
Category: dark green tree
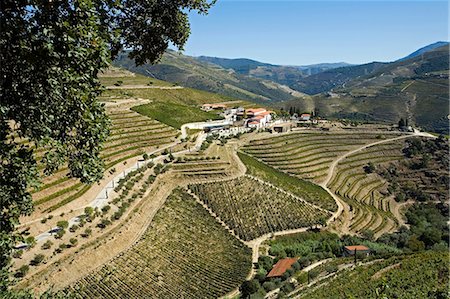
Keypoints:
pixel 51 53
pixel 249 287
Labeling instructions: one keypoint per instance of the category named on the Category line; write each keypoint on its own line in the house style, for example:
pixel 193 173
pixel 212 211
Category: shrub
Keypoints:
pixel 104 223
pixel 59 234
pixel 313 274
pixel 249 287
pixel 38 258
pixel 331 268
pixel 82 222
pixel 87 232
pixel 43 220
pixel 287 288
pixel 269 286
pixel 367 234
pixel 265 262
pixel 30 241
pixel 47 245
pixel 106 208
pixel 369 168
pixel 88 211
pixel 62 224
pixel 22 271
pixel 17 253
pixel 73 241
pixel 73 228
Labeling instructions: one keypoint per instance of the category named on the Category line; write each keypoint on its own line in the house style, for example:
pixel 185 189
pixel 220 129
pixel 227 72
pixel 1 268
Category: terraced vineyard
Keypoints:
pixel 185 253
pixel 131 135
pixel 422 275
pixel 207 168
pixel 308 155
pixel 252 208
pixel 364 190
pixel 310 192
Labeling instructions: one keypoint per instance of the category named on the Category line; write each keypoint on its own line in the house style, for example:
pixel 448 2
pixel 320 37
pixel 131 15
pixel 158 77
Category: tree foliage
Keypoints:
pixel 51 54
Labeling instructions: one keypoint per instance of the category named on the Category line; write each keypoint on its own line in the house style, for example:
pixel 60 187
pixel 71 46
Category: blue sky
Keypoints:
pixel 305 32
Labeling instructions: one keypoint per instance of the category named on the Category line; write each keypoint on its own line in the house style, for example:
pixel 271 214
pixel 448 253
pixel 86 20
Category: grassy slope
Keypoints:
pixel 129 79
pixel 190 72
pixel 174 114
pixel 301 188
pixel 173 107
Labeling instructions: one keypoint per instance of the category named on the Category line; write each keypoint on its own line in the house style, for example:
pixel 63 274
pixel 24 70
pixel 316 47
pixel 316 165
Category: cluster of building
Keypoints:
pixel 256 118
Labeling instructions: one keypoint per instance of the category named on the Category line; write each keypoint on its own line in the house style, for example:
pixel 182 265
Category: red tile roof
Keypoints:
pixel 266 113
pixel 281 266
pixel 357 247
pixel 255 110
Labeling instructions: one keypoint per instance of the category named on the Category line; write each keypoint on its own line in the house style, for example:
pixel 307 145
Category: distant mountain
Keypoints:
pixel 192 72
pixel 416 88
pixel 286 75
pixel 313 69
pixel 239 65
pixel 425 49
pixel 332 78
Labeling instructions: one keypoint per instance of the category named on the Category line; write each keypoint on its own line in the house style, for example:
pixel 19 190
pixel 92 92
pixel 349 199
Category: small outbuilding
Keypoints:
pixel 281 267
pixel 305 117
pixel 209 107
pixel 358 249
pixel 282 128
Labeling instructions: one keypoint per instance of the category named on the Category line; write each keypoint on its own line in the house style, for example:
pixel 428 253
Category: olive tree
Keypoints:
pixel 51 53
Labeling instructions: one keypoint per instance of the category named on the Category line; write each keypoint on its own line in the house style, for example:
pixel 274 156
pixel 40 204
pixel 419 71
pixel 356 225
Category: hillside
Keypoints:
pixel 416 89
pixel 425 49
pixel 190 72
pixel 425 274
pixel 287 75
pixel 327 80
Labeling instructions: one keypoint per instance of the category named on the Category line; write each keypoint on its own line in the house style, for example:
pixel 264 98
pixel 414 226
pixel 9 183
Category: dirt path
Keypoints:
pixel 404 88
pixel 343 207
pixel 271 294
pixel 316 283
pixel 384 270
pixel 396 211
pixel 74 265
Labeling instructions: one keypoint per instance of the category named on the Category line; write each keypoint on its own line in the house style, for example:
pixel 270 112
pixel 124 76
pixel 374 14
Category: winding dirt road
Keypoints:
pixel 343 207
